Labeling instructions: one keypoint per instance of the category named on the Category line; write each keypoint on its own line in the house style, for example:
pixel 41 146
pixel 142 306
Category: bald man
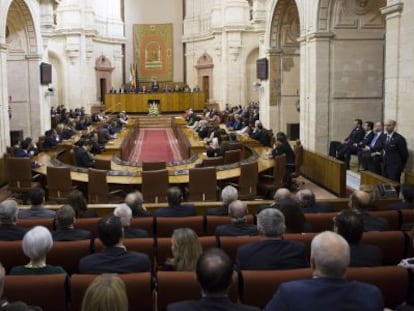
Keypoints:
pixel 360 201
pixel 328 289
pixel 281 194
pixel 308 202
pixel 395 151
pixel 239 225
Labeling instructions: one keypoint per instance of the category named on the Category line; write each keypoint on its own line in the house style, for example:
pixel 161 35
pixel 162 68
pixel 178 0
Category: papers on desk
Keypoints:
pixel 181 172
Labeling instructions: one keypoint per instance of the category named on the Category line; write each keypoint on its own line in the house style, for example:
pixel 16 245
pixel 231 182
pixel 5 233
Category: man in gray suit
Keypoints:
pixel 37 210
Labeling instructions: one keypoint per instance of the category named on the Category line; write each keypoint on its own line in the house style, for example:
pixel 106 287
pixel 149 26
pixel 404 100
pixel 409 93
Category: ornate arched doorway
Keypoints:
pixel 205 75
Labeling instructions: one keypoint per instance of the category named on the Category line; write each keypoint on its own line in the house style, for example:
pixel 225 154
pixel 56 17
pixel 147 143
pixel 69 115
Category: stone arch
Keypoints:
pixel 103 69
pixel 204 67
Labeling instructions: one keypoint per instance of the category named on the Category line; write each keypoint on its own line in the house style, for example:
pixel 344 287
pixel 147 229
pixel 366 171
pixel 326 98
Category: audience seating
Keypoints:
pixel 268 184
pixel 59 183
pixel 46 291
pixel 19 172
pixel 11 254
pixel 67 254
pixel 232 156
pixel 248 181
pixel 32 222
pixel 163 247
pixel 155 186
pixel 230 244
pixel 175 286
pixel 138 286
pixel 141 245
pixel 215 161
pixel 89 224
pixel 164 226
pixel 406 218
pixel 153 166
pixel 144 223
pixel 98 189
pixel 202 184
pixel 213 221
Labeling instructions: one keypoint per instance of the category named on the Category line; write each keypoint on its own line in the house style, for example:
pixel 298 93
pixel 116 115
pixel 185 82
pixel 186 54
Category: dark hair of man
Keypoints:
pixel 174 196
pixel 25 144
pixel 37 196
pixel 408 192
pixel 350 225
pixel 358 121
pixel 65 216
pixel 294 217
pixel 370 125
pixel 214 271
pixel 110 230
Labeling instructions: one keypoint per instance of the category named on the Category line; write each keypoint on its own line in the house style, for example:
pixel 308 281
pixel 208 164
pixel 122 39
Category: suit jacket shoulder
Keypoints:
pixel 208 304
pixel 71 235
pixel 236 230
pixel 176 211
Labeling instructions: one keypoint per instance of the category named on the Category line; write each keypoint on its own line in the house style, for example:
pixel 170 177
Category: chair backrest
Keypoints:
pixel 11 254
pixel 144 223
pixel 298 150
pixel 232 156
pixel 102 164
pixel 320 221
pixel 392 217
pixel 68 254
pixel 176 286
pixel 164 226
pixel 32 222
pixel 230 244
pixel 304 238
pixel 98 189
pixel 47 291
pixel 89 224
pixel 258 287
pixel 59 182
pixel 138 287
pixel 279 171
pixel 393 281
pixel 214 161
pixel 213 221
pixel 155 186
pixel 394 244
pixel 202 184
pixel 163 247
pixel 153 166
pixel 248 179
pixel 19 172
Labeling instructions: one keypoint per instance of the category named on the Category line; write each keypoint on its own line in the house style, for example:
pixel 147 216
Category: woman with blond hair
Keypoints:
pixel 185 248
pixel 106 293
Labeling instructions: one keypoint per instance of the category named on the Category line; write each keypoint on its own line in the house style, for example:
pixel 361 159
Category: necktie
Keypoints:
pixel 374 140
pixel 388 139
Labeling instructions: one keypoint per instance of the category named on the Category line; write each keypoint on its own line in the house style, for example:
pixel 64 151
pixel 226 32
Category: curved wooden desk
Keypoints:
pixel 45 159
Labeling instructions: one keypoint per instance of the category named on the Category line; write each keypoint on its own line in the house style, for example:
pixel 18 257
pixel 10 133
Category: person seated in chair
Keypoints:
pixel 328 289
pixel 114 258
pixel 135 202
pixel 272 252
pixel 65 230
pixel 215 275
pixel 8 217
pixel 406 196
pixel 282 147
pixel 370 156
pixel 51 139
pixel 355 137
pixel 239 225
pixel 27 150
pixel 350 225
pixel 37 210
pixel 308 202
pixel 83 156
pixel 228 195
pixel 280 195
pixel 175 208
pixel 125 214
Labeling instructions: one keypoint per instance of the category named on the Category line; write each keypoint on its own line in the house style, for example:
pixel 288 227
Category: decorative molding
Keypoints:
pixel 392 10
pixel 3 47
pixel 319 35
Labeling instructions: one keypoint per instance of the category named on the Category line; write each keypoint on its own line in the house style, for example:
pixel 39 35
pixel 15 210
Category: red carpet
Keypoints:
pixel 155 145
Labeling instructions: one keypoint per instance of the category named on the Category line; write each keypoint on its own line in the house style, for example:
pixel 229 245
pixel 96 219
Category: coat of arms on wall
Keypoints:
pixel 153 51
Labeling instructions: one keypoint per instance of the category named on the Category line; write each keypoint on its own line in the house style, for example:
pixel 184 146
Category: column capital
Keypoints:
pixel 317 35
pixel 393 10
pixel 274 51
pixel 3 47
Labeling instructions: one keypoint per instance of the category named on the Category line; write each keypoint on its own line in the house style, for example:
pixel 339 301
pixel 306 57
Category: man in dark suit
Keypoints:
pixel 37 210
pixel 228 195
pixel 328 289
pixel 395 152
pixel 175 208
pixel 65 231
pixel 281 195
pixel 238 226
pixel 370 156
pixel 272 252
pixel 215 275
pixel 114 258
pixel 355 137
pixel 308 202
pixel 355 147
pixel 135 201
pixel 360 201
pixel 406 196
pixel 8 217
pixel 350 225
pixel 82 154
pixel 283 148
pixel 125 214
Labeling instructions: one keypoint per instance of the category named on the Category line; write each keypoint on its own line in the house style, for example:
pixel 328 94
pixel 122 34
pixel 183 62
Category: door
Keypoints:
pixel 102 85
pixel 206 87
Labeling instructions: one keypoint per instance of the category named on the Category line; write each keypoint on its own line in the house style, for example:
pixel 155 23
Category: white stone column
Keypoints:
pixel 392 15
pixel 4 102
pixel 315 92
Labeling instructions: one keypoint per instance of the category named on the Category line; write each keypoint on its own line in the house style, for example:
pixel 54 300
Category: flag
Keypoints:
pixel 136 79
pixel 132 80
